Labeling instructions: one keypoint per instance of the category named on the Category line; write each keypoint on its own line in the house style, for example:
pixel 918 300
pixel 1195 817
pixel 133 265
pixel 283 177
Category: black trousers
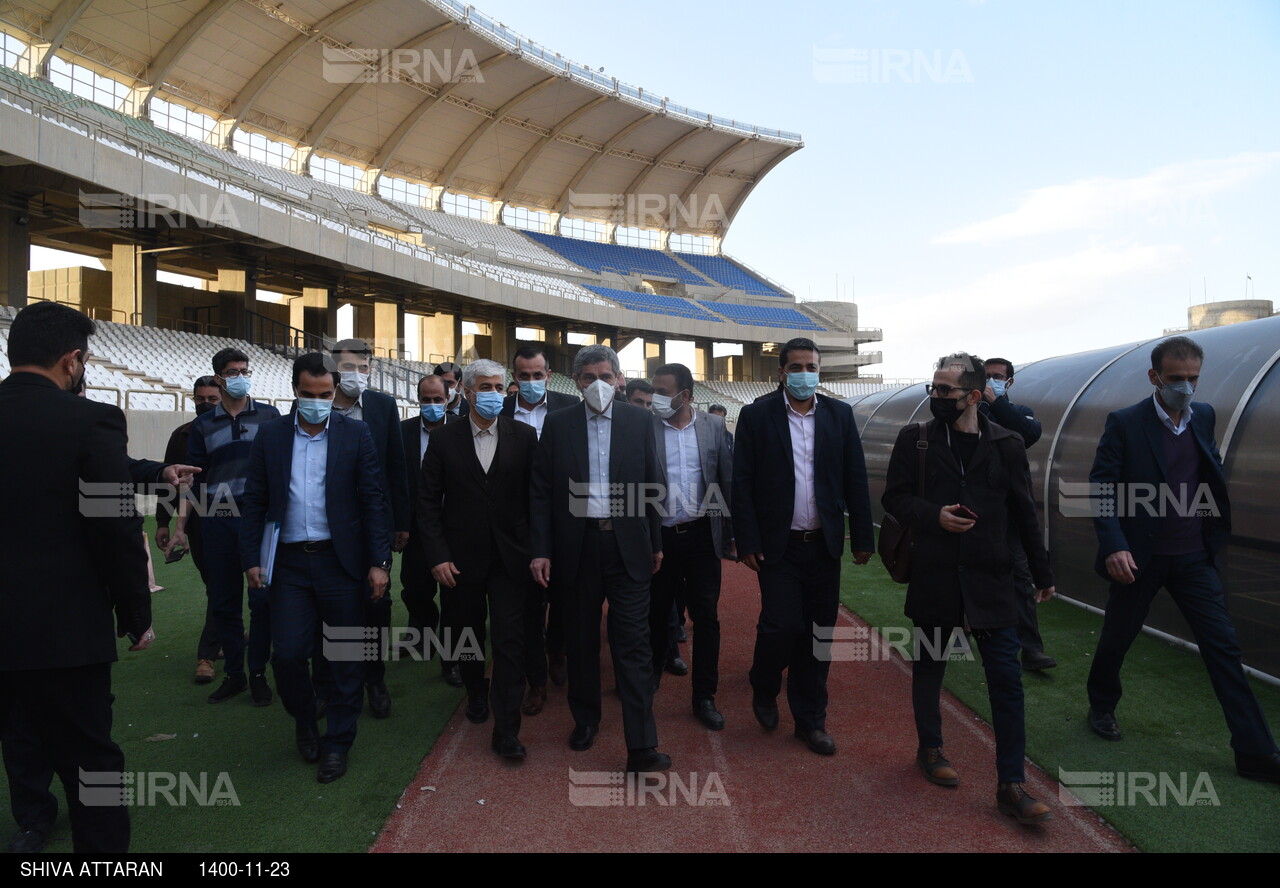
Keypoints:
pixel 534 620
pixel 503 596
pixel 209 645
pixel 419 591
pixel 1028 622
pixel 797 594
pixel 690 565
pixel 602 576
pixel 1197 590
pixel 65 714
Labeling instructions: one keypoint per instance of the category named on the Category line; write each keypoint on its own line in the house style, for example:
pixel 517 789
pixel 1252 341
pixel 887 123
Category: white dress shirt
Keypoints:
pixel 1183 421
pixel 486 442
pixel 804 514
pixel 685 484
pixel 534 416
pixel 599 440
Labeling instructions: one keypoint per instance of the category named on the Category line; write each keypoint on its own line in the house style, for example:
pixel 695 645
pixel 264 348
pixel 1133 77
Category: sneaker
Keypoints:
pixel 231 685
pixel 259 690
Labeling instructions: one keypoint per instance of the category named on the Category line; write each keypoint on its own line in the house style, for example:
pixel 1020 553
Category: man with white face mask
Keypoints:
pixel 1166 443
pixel 451 373
pixel 596 532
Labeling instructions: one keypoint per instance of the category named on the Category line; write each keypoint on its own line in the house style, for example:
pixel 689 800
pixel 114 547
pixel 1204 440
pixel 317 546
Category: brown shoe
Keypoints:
pixel 556 669
pixel 1012 799
pixel 936 767
pixel 204 672
pixel 534 699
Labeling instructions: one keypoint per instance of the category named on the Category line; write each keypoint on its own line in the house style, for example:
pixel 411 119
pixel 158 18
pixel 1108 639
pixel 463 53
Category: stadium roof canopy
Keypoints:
pixel 428 90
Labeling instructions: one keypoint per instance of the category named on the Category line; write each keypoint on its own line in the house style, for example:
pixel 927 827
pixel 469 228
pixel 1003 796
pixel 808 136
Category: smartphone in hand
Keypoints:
pixel 175 553
pixel 965 512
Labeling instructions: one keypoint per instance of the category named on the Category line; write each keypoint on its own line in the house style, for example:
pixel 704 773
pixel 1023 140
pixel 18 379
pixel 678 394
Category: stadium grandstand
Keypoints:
pixel 417 175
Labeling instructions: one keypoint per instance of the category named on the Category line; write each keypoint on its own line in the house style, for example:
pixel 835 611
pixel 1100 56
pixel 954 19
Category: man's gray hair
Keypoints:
pixel 482 367
pixel 594 354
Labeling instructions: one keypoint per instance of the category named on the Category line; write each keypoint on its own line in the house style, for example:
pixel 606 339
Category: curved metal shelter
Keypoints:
pixel 429 90
pixel 1072 395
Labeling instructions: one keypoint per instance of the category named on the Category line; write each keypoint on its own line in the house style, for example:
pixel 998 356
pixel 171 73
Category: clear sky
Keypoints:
pixel 1015 177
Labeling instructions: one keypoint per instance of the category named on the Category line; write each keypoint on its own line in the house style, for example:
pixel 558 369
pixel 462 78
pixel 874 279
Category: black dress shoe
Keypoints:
pixel 231 685
pixel 478 709
pixel 508 746
pixel 705 710
pixel 765 713
pixel 332 766
pixel 677 666
pixel 819 741
pixel 640 761
pixel 1265 768
pixel 681 635
pixel 1104 725
pixel 582 737
pixel 452 675
pixel 379 699
pixel 322 706
pixel 259 690
pixel 29 841
pixel 556 669
pixel 1037 661
pixel 307 736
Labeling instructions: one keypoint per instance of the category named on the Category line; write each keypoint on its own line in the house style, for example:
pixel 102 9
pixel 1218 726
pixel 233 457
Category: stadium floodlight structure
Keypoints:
pixel 1071 396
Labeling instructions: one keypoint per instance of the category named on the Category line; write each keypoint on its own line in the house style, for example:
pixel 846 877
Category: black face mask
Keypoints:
pixel 202 409
pixel 946 410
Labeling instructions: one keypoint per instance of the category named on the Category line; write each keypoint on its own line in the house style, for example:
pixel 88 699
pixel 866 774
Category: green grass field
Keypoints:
pixel 1170 718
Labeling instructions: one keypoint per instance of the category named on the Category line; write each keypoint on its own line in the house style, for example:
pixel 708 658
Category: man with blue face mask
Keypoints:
pixel 1164 445
pixel 314 487
pixel 797 469
pixel 473 519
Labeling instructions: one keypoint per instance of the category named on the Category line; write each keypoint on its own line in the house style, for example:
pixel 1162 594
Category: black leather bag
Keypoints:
pixel 896 542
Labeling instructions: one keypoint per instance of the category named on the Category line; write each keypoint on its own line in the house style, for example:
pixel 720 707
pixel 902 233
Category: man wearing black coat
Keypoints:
pixel 66 566
pixel 976 485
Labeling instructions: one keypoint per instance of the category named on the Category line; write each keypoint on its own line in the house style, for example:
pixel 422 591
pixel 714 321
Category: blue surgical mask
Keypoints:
pixel 432 412
pixel 802 385
pixel 998 386
pixel 314 410
pixel 238 386
pixel 533 391
pixel 489 404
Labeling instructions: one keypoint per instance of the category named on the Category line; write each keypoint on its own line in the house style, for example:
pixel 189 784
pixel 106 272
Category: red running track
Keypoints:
pixel 773 794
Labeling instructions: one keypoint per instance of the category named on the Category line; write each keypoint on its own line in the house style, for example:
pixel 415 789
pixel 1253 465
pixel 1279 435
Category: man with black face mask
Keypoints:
pixel 1164 443
pixel 976 485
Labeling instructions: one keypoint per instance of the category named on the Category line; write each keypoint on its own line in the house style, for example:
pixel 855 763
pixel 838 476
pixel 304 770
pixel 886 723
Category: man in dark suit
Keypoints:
pixel 962 567
pixel 451 373
pixel 543 616
pixel 694 451
pixel 205 394
pixel 1163 447
pixel 797 468
pixel 474 517
pixel 84 563
pixel 1021 420
pixel 314 475
pixel 432 623
pixel 596 532
pixel 355 400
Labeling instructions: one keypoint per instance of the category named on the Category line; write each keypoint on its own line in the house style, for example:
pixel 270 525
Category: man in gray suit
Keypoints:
pixel 694 451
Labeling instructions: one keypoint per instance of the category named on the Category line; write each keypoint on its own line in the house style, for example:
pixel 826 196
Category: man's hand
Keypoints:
pixel 733 551
pixel 861 557
pixel 952 522
pixel 177 541
pixel 657 561
pixel 541 570
pixel 379 580
pixel 1043 595
pixel 753 560
pixel 989 395
pixel 179 476
pixel 1121 567
pixel 162 539
pixel 144 640
pixel 444 574
pixel 401 540
pixel 255 578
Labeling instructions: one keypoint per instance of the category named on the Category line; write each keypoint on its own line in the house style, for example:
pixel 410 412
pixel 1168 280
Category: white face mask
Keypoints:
pixel 353 383
pixel 662 406
pixel 599 394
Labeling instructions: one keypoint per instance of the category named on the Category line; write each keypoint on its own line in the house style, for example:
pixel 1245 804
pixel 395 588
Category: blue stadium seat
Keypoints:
pixel 655 304
pixel 600 257
pixel 764 316
pixel 729 273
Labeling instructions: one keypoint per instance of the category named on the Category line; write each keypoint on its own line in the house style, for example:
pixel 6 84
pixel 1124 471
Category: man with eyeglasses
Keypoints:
pixel 996 406
pixel 976 486
pixel 219 443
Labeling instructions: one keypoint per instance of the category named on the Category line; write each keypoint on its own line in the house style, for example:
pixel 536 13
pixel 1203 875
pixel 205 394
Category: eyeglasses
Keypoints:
pixel 944 391
pixel 233 374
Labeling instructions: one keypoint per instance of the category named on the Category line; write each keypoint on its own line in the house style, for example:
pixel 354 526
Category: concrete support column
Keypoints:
pixel 437 340
pixel 133 285
pixel 388 329
pixel 15 251
pixel 237 294
pixel 703 367
pixel 315 312
pixel 655 355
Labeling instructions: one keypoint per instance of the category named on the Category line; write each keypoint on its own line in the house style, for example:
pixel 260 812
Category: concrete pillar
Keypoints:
pixel 388 329
pixel 133 285
pixel 315 312
pixel 703 367
pixel 655 355
pixel 436 341
pixel 15 251
pixel 237 294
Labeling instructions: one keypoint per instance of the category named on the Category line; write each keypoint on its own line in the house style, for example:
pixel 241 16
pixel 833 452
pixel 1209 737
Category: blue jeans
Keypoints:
pixel 999 649
pixel 225 583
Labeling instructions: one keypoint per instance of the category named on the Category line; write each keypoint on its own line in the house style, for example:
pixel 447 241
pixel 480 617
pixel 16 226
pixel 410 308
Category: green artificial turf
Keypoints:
pixel 1169 715
pixel 281 806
